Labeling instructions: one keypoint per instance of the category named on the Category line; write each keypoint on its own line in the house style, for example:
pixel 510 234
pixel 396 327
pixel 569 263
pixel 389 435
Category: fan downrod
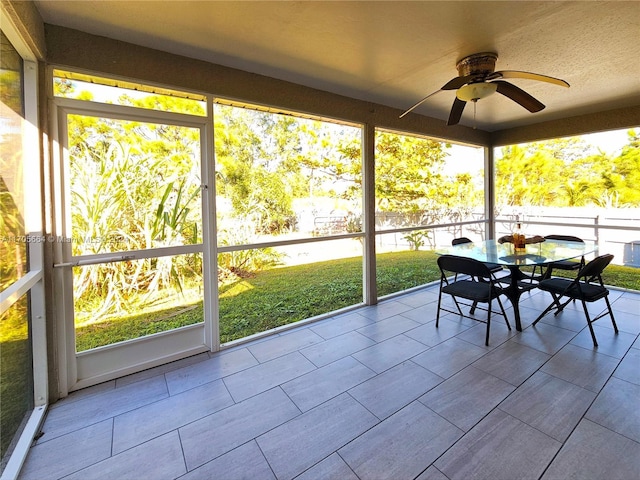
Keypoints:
pixel 479 64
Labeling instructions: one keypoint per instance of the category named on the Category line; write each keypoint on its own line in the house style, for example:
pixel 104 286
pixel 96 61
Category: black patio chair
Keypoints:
pixel 581 289
pixel 478 286
pixel 569 265
pixel 493 267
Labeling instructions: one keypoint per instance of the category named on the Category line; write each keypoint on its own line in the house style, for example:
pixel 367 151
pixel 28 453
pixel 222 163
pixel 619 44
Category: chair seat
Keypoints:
pixel 586 287
pixel 566 265
pixel 470 290
pixel 478 287
pixel 493 267
pixel 588 292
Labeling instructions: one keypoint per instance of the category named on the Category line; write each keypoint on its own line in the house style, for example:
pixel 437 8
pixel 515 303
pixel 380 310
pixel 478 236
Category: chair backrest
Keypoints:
pixel 564 238
pixel 595 267
pixel 460 241
pixel 466 266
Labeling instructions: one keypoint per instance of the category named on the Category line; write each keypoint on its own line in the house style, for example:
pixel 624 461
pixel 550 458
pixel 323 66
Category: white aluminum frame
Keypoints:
pixel 81 369
pixel 33 281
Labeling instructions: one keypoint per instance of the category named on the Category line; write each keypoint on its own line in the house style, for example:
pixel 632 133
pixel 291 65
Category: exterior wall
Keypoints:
pixel 28 22
pixel 77 50
pixel 582 124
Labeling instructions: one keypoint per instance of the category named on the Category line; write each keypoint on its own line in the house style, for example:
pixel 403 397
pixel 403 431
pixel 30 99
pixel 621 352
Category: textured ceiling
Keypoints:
pixel 395 53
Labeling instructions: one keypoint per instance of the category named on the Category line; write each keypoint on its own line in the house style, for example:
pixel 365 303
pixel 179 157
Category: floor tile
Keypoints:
pixel 340 325
pixel 420 298
pixel 283 344
pixel 626 322
pixel 300 443
pixel 99 389
pixel 336 348
pixel 69 453
pixel 227 429
pixel 138 426
pixel 499 333
pixel 331 468
pixel 582 367
pixel 467 397
pixel 67 417
pixel 549 404
pixel 628 369
pixel 449 357
pixel 626 303
pixel 216 367
pixel 423 314
pixel 390 391
pixel 512 362
pixel 368 398
pixel 609 343
pixel 402 446
pixel 544 337
pixel 500 447
pixel 160 459
pixel 388 353
pixel 162 369
pixel 613 410
pixel 593 452
pixel 384 309
pixel 432 473
pixel 244 462
pixel 448 327
pixel 267 375
pixel 318 386
pixel 387 328
pixel 569 319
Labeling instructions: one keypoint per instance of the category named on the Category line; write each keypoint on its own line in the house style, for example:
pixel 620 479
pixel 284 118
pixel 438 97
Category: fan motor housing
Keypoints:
pixel 477 64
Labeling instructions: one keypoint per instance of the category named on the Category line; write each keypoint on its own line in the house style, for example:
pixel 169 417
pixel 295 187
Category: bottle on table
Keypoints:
pixel 518 237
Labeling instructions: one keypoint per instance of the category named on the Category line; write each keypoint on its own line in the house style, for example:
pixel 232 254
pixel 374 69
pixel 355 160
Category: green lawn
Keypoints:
pixel 279 296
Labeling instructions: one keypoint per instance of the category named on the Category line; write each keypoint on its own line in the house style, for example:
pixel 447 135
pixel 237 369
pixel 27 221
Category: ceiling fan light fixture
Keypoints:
pixel 475 91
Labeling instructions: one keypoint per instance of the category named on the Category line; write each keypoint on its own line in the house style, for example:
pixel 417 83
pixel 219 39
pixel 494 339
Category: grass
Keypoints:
pixel 16 387
pixel 280 296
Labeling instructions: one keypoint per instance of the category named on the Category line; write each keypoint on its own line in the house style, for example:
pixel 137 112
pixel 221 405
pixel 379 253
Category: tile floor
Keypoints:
pixel 377 393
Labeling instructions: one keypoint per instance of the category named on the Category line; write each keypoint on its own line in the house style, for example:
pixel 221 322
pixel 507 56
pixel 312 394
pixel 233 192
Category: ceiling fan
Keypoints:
pixel 478 79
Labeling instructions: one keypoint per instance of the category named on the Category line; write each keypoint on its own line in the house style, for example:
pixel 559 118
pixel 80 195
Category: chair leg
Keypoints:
pixel 546 310
pixel 504 313
pixel 457 305
pixel 486 340
pixel 559 305
pixel 586 313
pixel 613 321
pixel 473 308
pixel 439 300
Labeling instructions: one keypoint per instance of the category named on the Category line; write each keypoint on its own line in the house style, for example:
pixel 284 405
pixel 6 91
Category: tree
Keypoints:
pixel 408 177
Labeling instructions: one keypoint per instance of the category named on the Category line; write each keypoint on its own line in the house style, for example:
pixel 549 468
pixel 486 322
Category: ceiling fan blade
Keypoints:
pixel 452 84
pixel 420 103
pixel 530 76
pixel 519 96
pixel 457 82
pixel 456 111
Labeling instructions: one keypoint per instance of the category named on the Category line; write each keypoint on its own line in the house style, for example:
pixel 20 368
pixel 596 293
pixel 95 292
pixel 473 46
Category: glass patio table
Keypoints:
pixel 534 254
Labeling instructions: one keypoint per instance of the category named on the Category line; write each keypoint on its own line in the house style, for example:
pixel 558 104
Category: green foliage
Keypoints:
pixel 408 177
pixel 265 161
pixel 249 171
pixel 15 372
pixel 416 239
pixel 134 186
pixel 568 172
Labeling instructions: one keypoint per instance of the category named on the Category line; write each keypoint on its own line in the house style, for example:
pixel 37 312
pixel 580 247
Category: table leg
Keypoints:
pixel 513 293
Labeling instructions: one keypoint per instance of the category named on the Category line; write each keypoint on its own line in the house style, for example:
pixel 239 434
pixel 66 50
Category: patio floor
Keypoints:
pixel 376 393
